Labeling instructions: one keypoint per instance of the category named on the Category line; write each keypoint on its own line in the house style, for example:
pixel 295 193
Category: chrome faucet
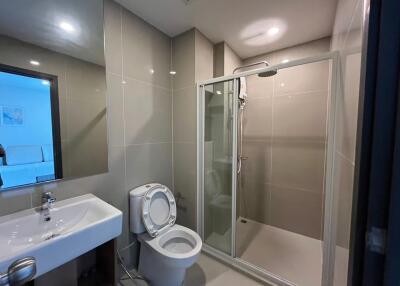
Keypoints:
pixel 47 203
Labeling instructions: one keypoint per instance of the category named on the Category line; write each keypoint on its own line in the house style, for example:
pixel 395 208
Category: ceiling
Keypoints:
pixel 242 24
pixel 37 22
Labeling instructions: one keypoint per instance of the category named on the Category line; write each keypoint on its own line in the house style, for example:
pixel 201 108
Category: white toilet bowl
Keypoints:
pixel 166 249
pixel 164 259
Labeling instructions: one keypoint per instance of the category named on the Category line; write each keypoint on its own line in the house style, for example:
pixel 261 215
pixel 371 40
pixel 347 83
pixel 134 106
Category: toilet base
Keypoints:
pixel 156 272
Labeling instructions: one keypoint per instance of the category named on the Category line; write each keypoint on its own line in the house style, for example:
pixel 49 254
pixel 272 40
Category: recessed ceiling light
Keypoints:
pixel 67 27
pixel 218 92
pixel 172 72
pixel 273 31
pixel 263 31
pixel 45 82
pixel 285 61
pixel 123 82
pixel 151 71
pixel 34 63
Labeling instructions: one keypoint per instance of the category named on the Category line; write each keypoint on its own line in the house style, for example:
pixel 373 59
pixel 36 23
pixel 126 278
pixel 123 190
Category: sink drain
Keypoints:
pixel 51 236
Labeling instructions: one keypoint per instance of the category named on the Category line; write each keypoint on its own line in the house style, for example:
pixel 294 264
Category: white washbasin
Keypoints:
pixel 77 225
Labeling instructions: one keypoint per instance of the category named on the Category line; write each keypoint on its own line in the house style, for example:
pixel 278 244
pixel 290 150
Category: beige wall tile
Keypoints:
pixel 225 59
pixel 192 58
pixel 204 51
pixel 87 157
pixel 298 165
pixel 297 211
pixel 85 80
pixel 219 61
pixel 304 78
pixel 264 57
pixel 257 165
pixel 146 51
pixel 63 110
pixel 231 60
pixel 257 123
pixel 255 200
pixel 13 201
pixel 19 54
pixel 66 165
pixel 148 113
pixel 259 87
pixel 86 120
pixel 116 176
pixel 113 37
pixel 183 60
pixel 184 115
pixel 185 182
pixel 115 110
pixel 148 163
pixel 300 116
pixel 308 49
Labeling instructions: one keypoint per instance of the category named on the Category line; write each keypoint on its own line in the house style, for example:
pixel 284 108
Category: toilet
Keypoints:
pixel 166 249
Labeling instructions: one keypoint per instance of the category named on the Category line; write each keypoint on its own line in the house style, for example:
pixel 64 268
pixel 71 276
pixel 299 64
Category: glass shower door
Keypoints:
pixel 272 218
pixel 218 163
pixel 281 187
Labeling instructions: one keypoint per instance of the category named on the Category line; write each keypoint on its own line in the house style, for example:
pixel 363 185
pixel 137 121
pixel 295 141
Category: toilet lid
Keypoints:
pixel 158 210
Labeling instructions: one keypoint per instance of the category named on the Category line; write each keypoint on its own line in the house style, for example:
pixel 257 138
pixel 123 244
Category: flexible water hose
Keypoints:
pixel 131 276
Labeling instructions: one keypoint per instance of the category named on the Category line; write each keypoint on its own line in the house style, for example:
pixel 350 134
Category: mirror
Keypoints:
pixel 52 91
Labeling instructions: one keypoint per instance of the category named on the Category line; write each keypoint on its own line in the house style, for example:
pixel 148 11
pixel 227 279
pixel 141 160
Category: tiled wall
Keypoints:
pixel 139 115
pixel 140 105
pixel 231 60
pixel 192 59
pixel 347 39
pixel 282 181
pixel 225 60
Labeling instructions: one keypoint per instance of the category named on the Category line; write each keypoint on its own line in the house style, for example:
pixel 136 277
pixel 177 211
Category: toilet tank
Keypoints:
pixel 135 208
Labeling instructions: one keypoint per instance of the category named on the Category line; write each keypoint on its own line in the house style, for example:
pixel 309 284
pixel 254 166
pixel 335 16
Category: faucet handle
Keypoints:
pixel 48 198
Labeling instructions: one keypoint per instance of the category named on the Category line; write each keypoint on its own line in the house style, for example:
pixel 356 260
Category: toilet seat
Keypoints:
pixel 158 210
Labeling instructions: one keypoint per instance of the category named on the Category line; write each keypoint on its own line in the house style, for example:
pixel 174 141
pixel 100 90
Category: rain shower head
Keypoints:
pixel 268 73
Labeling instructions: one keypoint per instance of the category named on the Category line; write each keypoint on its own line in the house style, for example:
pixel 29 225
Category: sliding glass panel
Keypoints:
pixel 218 164
pixel 281 187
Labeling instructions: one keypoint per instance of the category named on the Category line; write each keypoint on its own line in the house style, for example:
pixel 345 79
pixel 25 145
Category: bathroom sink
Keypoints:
pixel 77 225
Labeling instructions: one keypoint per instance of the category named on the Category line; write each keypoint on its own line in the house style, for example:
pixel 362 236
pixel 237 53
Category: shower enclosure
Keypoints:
pixel 265 170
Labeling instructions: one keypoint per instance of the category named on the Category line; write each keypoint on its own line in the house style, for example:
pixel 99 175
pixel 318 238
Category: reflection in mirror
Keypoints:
pixel 52 91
